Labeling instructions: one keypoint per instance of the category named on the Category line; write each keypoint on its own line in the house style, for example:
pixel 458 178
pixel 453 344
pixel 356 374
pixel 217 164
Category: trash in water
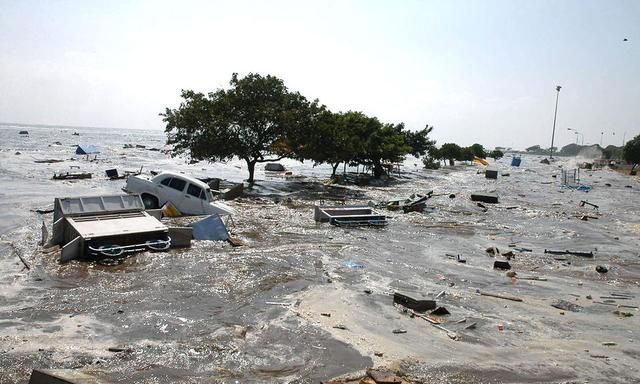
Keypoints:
pixel 584 202
pixel 504 265
pixel 440 311
pixel 491 173
pixel 411 303
pixel 211 228
pixel 353 264
pixel 87 150
pixel 71 175
pixel 567 252
pixel 485 198
pixel 113 174
pixel 169 210
pixel 274 167
pixel 180 237
pixel 566 306
pixel 349 216
pixel 622 313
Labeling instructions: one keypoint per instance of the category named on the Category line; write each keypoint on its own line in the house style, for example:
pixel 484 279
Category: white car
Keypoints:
pixel 190 196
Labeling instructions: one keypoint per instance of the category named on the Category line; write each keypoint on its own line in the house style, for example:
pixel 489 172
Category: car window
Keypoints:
pixel 196 191
pixel 166 181
pixel 177 184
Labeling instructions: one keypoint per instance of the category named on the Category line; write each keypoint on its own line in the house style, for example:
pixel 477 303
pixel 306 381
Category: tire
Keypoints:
pixel 150 202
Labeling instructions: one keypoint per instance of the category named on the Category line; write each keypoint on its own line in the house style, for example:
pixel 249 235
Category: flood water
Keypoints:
pixel 258 313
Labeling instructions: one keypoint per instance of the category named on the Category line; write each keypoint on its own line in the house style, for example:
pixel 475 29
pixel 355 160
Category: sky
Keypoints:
pixel 478 71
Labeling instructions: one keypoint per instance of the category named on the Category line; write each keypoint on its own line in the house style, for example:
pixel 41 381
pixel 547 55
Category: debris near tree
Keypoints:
pixel 566 306
pixel 485 198
pixel 414 304
pixel 372 376
pixel 499 296
pixel 71 176
pixel 274 167
pixel 349 216
pixel 113 174
pixel 568 252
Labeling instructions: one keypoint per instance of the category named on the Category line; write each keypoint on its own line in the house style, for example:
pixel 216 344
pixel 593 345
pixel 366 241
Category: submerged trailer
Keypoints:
pixel 349 216
pixel 105 226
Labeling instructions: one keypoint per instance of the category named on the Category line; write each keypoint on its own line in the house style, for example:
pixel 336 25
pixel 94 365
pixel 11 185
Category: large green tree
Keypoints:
pixel 496 154
pixel 370 142
pixel 325 139
pixel 451 152
pixel 478 151
pixel 631 151
pixel 253 120
pixel 419 141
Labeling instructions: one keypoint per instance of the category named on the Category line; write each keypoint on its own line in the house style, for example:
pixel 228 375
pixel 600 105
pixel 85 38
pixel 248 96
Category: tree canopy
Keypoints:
pixel 496 154
pixel 631 151
pixel 419 141
pixel 477 150
pixel 258 119
pixel 251 120
pixel 451 152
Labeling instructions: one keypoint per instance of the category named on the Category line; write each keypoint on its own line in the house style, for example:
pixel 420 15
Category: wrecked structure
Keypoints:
pixel 105 226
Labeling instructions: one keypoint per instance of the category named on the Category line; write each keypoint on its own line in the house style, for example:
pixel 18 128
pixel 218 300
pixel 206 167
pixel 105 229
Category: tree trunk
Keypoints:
pixel 251 165
pixel 378 170
pixel 451 163
pixel 335 167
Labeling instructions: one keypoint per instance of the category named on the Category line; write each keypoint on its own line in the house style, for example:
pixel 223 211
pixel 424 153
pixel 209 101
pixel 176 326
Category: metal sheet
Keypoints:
pixel 77 206
pixel 109 226
pixel 71 250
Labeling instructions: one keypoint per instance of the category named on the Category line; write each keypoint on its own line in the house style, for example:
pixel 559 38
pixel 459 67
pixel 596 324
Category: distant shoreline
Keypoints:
pixel 26 125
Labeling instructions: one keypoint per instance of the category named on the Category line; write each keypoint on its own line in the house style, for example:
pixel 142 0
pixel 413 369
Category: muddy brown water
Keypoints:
pixel 217 313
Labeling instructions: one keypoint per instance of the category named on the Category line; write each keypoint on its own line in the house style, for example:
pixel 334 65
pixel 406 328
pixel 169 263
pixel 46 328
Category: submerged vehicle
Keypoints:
pixel 189 195
pixel 95 227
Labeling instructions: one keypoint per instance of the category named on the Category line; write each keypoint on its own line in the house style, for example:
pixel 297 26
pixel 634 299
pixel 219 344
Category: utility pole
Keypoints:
pixel 555 114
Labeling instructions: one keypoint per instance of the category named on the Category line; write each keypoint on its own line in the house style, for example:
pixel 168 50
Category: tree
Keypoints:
pixel 569 150
pixel 432 159
pixel 534 148
pixel 631 151
pixel 419 140
pixel 496 154
pixel 451 152
pixel 478 151
pixel 466 154
pixel 327 139
pixel 371 142
pixel 612 152
pixel 251 120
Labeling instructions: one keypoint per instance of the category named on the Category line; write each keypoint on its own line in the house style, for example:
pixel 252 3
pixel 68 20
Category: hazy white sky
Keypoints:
pixel 479 71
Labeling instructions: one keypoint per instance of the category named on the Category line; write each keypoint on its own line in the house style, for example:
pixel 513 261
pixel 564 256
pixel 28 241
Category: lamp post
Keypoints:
pixel 577 135
pixel 601 134
pixel 555 114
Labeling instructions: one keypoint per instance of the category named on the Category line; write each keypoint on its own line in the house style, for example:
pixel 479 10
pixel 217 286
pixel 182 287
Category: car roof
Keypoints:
pixel 190 179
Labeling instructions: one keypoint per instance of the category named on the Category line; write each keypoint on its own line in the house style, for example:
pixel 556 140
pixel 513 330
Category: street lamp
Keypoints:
pixel 577 133
pixel 555 114
pixel 601 134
